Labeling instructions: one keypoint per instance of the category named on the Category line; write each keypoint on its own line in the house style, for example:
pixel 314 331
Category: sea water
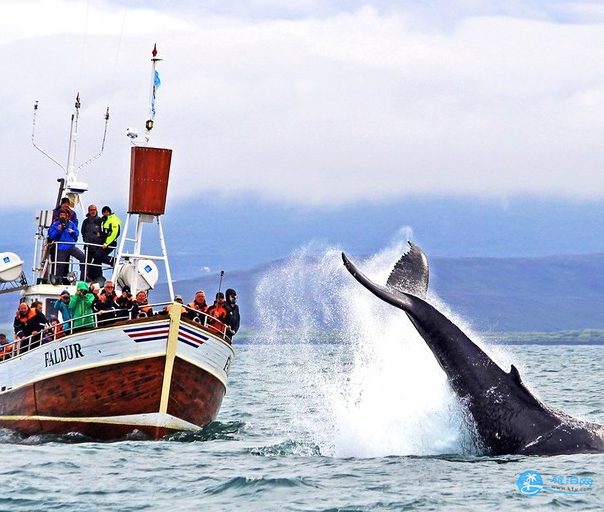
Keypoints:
pixel 312 421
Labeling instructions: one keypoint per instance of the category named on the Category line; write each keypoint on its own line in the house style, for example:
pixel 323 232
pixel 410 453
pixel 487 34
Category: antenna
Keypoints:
pixel 33 132
pixel 70 184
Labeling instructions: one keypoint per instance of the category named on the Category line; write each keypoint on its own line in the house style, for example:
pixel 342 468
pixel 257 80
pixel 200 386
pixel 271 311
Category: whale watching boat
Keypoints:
pixel 147 374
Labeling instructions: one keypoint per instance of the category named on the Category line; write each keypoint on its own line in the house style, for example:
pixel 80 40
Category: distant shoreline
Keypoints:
pixel 568 337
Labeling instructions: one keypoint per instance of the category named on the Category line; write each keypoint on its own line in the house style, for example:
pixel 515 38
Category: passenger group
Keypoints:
pixel 100 236
pixel 92 306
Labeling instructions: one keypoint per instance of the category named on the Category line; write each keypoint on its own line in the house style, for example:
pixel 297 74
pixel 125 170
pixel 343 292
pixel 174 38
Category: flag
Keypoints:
pixel 156 84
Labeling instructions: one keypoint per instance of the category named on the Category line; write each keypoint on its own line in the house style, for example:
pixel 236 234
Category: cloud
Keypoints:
pixel 370 103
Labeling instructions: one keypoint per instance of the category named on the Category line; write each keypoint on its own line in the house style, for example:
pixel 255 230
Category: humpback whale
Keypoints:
pixel 508 419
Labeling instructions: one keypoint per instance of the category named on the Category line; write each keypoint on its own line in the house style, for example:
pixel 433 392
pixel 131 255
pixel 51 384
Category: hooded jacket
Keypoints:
pixel 81 307
pixel 233 318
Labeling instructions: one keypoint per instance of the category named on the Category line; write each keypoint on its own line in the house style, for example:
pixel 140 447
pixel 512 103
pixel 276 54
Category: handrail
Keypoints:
pixel 48 259
pixel 56 332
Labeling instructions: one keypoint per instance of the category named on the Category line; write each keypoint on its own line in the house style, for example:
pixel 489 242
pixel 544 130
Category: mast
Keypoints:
pixel 149 174
pixel 70 184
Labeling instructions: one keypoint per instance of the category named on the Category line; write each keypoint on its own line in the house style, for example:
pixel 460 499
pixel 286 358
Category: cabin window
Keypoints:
pixel 49 308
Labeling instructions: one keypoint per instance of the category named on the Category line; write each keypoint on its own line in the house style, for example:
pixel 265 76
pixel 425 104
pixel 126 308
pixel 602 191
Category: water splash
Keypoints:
pixel 377 390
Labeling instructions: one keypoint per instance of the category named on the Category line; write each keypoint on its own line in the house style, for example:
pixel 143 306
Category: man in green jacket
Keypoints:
pixel 80 306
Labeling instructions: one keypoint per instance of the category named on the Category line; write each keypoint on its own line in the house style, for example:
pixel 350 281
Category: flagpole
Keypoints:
pixel 152 89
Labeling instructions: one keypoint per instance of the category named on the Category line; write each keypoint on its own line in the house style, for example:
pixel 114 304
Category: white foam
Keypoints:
pixel 380 392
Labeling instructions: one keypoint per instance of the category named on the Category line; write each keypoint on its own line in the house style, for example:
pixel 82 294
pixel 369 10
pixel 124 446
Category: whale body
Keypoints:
pixel 508 419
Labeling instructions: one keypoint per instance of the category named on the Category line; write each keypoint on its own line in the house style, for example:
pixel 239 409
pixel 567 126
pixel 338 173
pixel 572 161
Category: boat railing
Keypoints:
pixel 49 266
pixel 214 325
pixel 108 318
pixel 217 326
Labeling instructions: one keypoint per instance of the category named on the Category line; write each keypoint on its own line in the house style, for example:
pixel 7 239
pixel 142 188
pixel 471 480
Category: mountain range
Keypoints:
pixel 517 265
pixel 544 294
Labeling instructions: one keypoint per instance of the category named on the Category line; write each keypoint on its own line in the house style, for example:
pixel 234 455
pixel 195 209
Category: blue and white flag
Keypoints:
pixel 156 84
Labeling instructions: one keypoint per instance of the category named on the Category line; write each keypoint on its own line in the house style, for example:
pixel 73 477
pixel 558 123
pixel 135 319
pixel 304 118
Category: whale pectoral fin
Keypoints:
pixel 410 273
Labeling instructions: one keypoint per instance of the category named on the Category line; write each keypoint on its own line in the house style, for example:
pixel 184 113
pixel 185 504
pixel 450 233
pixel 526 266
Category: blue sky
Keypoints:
pixel 314 104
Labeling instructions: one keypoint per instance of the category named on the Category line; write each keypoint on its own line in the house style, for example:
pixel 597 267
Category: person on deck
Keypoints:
pixel 65 205
pixel 39 307
pixel 80 306
pixel 104 307
pixel 6 348
pixel 62 306
pixel 141 305
pixel 218 314
pixel 91 234
pixel 27 326
pixel 125 302
pixel 233 317
pixel 177 300
pixel 64 233
pixel 54 330
pixel 198 307
pixel 110 231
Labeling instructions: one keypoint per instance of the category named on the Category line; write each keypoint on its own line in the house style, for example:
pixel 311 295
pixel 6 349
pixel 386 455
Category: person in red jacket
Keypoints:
pixel 218 314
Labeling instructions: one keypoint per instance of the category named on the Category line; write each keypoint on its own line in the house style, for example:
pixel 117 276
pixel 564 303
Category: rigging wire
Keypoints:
pixel 117 55
pixel 71 156
pixel 84 41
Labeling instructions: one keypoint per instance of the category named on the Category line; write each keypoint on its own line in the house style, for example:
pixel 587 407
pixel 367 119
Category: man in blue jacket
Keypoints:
pixel 64 233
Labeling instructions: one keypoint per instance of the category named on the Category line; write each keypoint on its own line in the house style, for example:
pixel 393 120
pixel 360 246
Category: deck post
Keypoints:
pixel 170 356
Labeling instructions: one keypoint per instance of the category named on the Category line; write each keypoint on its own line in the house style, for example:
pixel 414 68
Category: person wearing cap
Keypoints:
pixel 217 314
pixel 125 301
pixel 65 205
pixel 62 307
pixel 110 231
pixel 233 317
pixel 64 233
